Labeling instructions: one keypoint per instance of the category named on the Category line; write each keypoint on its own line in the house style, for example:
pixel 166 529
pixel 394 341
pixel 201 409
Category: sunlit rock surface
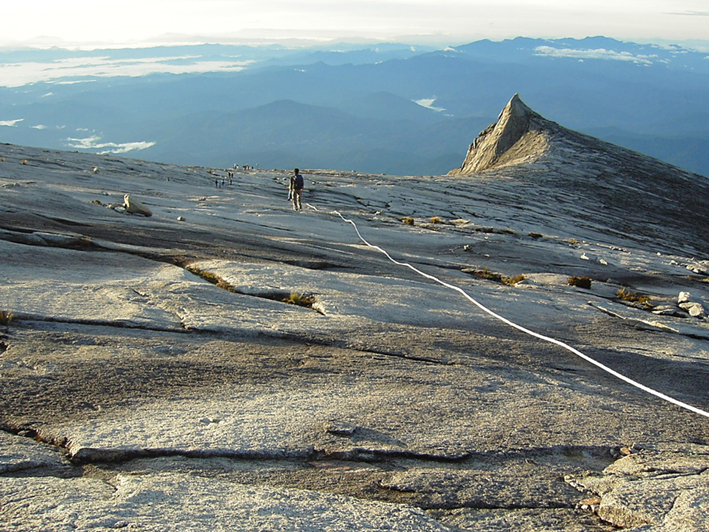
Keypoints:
pixel 151 372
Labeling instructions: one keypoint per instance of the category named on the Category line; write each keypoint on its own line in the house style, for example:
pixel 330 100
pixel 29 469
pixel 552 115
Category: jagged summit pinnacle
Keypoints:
pixel 527 147
pixel 519 135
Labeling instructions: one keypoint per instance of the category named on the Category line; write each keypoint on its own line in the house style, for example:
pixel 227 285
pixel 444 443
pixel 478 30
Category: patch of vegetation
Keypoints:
pixel 632 297
pixel 293 298
pixel 513 280
pixel 495 230
pixel 408 220
pixel 536 235
pixel 436 220
pixel 212 278
pixel 490 276
pixel 6 317
pixel 299 299
pixel 580 282
pixel 499 278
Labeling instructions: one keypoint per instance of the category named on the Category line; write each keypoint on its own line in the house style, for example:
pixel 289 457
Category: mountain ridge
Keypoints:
pixel 646 91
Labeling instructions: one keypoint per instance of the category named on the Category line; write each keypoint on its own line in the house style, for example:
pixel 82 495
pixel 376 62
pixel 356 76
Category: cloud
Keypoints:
pixel 19 74
pixel 39 126
pixel 601 53
pixel 692 14
pixel 10 123
pixel 93 143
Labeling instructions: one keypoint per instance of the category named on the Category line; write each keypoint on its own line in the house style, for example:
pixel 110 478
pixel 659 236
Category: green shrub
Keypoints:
pixel 580 282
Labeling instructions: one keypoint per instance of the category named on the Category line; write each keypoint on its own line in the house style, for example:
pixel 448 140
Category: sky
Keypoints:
pixel 122 22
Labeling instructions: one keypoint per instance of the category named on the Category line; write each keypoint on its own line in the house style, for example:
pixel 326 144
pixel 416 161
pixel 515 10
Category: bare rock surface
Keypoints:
pixel 660 488
pixel 167 500
pixel 19 454
pixel 155 369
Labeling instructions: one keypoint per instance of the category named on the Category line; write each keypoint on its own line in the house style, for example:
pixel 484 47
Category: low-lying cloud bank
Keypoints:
pixel 20 74
pixel 92 143
pixel 600 53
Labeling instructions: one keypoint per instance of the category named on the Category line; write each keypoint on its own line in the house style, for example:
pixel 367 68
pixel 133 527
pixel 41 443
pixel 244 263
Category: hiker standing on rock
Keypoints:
pixel 296 189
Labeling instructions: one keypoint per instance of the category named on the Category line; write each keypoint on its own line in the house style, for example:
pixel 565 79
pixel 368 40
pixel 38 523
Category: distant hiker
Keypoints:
pixel 296 189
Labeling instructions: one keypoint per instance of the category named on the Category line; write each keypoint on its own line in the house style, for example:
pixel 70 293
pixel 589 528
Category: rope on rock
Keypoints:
pixel 524 329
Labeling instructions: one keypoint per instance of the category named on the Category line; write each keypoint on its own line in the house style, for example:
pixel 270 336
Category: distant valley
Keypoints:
pixel 392 108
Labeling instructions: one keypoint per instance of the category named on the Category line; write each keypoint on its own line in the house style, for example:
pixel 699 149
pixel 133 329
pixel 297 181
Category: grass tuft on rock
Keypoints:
pixel 580 282
pixel 6 317
pixel 632 297
pixel 299 299
pixel 212 278
pixel 499 278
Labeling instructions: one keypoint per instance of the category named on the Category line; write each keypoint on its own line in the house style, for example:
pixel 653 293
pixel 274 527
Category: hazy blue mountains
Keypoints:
pixel 388 108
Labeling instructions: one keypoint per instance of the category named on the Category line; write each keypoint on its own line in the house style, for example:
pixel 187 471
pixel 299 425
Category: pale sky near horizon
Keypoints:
pixel 134 21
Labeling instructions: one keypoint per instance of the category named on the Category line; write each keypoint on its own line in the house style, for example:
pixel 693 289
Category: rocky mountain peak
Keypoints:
pixel 519 135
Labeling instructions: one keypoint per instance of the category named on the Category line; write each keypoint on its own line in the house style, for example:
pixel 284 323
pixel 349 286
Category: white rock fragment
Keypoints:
pixel 696 310
pixel 133 206
pixel 683 297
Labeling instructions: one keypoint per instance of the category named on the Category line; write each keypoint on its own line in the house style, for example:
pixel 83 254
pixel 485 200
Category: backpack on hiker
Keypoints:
pixel 298 182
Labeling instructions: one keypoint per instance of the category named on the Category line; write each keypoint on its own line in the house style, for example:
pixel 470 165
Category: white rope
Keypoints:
pixel 524 329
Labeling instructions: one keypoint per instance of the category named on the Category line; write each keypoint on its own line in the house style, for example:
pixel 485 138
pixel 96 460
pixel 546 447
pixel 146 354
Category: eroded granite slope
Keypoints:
pixel 167 382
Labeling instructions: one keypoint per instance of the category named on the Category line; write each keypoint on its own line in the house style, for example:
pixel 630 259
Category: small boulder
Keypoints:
pixel 339 428
pixel 695 310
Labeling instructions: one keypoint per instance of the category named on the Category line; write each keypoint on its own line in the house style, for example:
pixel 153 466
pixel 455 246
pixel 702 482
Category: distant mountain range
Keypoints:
pixel 391 108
